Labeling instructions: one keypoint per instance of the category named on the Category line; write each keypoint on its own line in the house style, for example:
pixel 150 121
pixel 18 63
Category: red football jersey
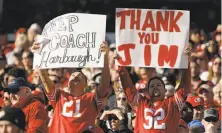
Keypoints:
pixel 74 114
pixel 159 117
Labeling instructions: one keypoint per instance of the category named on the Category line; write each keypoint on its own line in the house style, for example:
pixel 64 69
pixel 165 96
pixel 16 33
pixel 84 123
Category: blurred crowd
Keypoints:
pixel 203 103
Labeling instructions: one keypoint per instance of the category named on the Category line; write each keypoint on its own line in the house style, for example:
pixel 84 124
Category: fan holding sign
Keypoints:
pixel 143 37
pixel 75 111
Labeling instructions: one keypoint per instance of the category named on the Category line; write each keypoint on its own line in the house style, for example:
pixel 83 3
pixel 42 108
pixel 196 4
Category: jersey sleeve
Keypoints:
pixel 53 97
pixel 132 94
pixel 37 121
pixel 179 98
pixel 98 101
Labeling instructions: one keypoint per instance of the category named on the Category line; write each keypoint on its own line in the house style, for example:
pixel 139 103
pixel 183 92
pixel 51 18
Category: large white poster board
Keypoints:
pixel 74 41
pixel 152 38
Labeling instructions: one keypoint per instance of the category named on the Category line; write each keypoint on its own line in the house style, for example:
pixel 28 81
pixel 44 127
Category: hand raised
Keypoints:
pixel 104 48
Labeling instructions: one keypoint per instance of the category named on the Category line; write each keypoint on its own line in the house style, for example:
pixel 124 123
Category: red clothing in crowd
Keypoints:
pixel 74 114
pixel 36 116
pixel 159 117
pixel 1 98
pixel 183 128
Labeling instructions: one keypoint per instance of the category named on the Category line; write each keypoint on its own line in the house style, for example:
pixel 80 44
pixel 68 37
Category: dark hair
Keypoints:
pixel 30 55
pixel 49 107
pixel 6 70
pixel 87 131
pixel 123 111
pixel 17 72
pixel 80 70
pixel 194 60
pixel 189 105
pixel 196 129
pixel 158 78
pixel 194 30
pixel 171 78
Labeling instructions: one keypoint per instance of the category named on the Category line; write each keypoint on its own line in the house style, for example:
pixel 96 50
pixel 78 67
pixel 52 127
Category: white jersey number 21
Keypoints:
pixel 68 108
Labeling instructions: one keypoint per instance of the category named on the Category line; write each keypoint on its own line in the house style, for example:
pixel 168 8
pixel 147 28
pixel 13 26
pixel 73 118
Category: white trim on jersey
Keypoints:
pixel 52 97
pixel 178 101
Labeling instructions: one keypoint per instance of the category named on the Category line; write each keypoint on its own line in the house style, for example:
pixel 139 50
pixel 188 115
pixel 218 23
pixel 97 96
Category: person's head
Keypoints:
pixel 55 79
pixel 145 73
pixel 92 84
pixel 114 122
pixel 211 119
pixel 12 120
pixel 77 83
pixel 56 71
pixel 216 66
pixel 36 78
pixel 205 91
pixel 27 59
pixel 87 131
pixel 187 112
pixel 5 75
pixel 211 47
pixel 6 99
pixel 33 30
pixel 21 41
pixel 3 37
pixel 194 68
pixel 169 79
pixel 218 93
pixel 218 37
pixel 170 90
pixel 113 119
pixel 156 89
pixel 17 57
pixel 202 61
pixel 16 72
pixel 196 126
pixel 121 99
pixel 19 90
pixel 198 106
pixel 97 78
pixel 195 35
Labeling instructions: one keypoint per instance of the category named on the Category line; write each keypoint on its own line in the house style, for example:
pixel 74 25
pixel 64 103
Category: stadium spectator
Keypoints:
pixel 198 106
pixel 211 120
pixel 205 91
pixel 27 60
pixel 35 113
pixel 186 117
pixel 12 120
pixel 154 99
pixel 196 126
pixel 117 119
pixel 91 103
pixel 195 72
pixel 215 70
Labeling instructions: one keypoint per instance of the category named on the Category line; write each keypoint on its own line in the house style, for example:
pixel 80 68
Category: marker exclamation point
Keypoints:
pixel 99 55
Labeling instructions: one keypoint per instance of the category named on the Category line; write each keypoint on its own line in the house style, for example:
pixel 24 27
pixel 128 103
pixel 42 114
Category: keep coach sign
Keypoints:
pixel 152 38
pixel 74 41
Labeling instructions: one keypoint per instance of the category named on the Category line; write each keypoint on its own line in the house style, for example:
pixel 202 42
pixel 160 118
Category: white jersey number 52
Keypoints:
pixel 153 120
pixel 68 108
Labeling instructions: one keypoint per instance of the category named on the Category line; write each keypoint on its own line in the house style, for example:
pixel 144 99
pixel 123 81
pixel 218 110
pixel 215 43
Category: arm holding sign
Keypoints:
pixel 47 82
pixel 127 84
pixel 105 80
pixel 184 86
